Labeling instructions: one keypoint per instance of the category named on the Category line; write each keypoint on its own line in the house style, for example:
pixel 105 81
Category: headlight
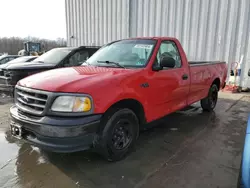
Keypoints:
pixel 8 73
pixel 71 104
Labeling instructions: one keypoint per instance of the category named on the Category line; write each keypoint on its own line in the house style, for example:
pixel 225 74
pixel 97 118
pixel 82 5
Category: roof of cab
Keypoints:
pixel 73 48
pixel 154 38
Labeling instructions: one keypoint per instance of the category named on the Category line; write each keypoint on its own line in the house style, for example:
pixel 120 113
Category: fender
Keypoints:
pixel 125 96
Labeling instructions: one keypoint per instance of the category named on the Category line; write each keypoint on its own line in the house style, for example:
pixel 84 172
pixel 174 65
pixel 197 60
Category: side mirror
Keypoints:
pixel 168 62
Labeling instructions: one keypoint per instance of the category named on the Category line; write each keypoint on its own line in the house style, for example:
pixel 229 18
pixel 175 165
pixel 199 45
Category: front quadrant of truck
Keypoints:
pixel 105 102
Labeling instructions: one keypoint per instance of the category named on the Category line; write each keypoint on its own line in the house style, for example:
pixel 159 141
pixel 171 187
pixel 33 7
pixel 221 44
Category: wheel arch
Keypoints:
pixel 132 104
pixel 217 83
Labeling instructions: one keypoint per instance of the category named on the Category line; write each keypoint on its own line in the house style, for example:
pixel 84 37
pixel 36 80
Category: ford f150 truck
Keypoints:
pixel 55 58
pixel 105 102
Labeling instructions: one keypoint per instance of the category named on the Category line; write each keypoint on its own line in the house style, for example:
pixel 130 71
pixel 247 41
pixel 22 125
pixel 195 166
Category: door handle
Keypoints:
pixel 184 77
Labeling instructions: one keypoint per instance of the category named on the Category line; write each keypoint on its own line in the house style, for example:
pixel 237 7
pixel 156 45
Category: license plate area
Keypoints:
pixel 16 130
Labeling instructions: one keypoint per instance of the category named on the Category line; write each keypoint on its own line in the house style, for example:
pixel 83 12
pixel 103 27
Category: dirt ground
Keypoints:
pixel 187 149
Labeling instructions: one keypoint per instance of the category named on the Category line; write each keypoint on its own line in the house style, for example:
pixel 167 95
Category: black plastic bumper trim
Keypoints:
pixel 58 134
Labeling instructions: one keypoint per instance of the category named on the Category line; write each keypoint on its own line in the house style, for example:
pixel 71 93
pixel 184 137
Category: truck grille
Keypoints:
pixel 3 81
pixel 31 101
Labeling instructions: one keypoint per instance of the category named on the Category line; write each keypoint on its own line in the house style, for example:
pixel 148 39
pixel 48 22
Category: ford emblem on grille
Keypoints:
pixel 25 99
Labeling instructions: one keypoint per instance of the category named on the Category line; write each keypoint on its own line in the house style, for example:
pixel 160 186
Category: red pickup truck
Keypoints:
pixel 105 102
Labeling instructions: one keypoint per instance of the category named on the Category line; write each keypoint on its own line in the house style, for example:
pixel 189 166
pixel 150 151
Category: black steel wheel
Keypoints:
pixel 214 96
pixel 209 103
pixel 119 133
pixel 122 134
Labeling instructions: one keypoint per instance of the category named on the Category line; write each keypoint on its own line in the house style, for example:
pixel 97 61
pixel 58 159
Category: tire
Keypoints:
pixel 209 103
pixel 119 134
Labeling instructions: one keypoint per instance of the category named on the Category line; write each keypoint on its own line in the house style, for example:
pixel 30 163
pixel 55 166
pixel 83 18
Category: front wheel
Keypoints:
pixel 121 129
pixel 209 103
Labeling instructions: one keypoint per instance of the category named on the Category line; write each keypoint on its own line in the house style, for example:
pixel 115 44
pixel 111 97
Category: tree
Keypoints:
pixel 12 45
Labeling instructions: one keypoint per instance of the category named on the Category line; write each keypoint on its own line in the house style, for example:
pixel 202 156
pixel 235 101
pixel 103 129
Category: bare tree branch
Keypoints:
pixel 13 45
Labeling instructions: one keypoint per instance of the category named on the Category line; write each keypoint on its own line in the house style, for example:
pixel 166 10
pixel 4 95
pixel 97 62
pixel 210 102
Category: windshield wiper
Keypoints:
pixel 111 62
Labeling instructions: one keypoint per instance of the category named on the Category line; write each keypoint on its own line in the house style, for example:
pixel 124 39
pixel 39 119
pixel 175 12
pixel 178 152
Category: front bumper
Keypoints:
pixel 57 134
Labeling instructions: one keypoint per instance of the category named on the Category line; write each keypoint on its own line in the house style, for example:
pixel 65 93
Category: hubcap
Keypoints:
pixel 121 137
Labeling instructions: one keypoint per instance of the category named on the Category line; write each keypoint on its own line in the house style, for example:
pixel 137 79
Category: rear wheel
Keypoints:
pixel 121 129
pixel 209 103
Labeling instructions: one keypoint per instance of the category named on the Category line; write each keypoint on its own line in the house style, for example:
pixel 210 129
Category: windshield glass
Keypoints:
pixel 54 56
pixel 128 53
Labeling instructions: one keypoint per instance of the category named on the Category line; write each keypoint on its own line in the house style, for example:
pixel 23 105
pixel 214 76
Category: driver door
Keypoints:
pixel 169 90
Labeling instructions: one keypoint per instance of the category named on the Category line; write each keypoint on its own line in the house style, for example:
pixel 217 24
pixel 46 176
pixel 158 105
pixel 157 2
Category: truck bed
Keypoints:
pixel 202 74
pixel 199 63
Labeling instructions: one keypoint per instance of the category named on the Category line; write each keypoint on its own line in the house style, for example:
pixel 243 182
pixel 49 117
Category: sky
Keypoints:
pixel 36 18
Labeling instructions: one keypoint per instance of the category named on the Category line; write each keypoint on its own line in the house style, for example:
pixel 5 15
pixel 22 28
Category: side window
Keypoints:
pixel 2 61
pixel 169 48
pixel 77 58
pixel 83 55
pixel 5 60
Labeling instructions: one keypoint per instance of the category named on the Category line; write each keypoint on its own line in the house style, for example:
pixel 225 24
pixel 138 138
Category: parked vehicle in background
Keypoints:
pixel 31 48
pixel 55 58
pixel 3 85
pixel 119 90
pixel 21 59
pixel 6 58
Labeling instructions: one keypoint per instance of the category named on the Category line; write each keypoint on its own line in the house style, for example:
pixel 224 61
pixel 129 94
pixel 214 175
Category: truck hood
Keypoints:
pixel 29 65
pixel 3 66
pixel 6 65
pixel 73 79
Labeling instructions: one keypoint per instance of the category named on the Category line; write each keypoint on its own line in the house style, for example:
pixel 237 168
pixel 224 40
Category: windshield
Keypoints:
pixel 54 56
pixel 128 53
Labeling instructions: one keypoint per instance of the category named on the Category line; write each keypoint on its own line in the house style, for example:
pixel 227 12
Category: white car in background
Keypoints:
pixel 6 58
pixel 21 59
